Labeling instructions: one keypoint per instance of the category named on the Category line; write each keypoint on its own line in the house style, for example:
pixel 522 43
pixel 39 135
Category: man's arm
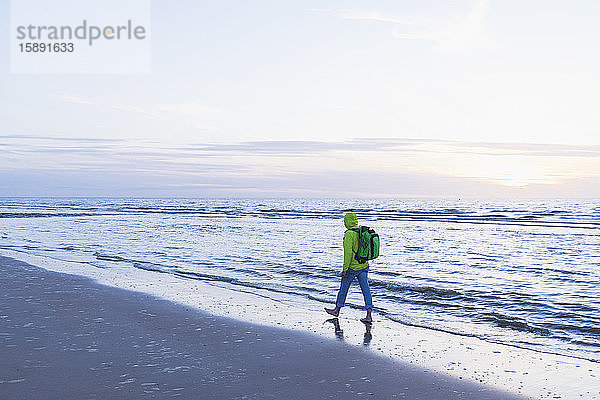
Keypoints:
pixel 348 253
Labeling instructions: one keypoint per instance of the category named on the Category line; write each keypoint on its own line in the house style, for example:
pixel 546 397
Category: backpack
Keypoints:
pixel 368 244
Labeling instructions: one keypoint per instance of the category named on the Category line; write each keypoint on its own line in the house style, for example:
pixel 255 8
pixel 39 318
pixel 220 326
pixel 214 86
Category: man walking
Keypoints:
pixel 353 269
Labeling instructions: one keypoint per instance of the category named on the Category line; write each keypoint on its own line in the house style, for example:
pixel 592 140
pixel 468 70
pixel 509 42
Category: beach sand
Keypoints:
pixel 66 336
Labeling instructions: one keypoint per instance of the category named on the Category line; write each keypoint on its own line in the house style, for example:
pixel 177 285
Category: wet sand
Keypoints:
pixel 65 336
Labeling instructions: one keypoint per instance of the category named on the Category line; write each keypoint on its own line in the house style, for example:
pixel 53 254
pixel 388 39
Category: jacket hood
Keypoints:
pixel 350 220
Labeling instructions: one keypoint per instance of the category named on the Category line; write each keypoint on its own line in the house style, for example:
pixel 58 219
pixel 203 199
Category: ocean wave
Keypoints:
pixel 42 214
pixel 274 287
pixel 512 322
pixel 220 208
pixel 427 291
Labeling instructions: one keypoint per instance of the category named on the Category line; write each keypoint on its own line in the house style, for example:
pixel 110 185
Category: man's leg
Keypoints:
pixel 363 281
pixel 341 297
pixel 343 292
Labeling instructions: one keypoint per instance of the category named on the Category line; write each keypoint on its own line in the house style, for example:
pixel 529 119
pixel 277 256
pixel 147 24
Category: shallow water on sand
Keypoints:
pixel 522 273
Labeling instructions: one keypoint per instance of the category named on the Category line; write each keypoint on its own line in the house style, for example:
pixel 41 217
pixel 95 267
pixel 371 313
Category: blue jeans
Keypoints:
pixel 363 281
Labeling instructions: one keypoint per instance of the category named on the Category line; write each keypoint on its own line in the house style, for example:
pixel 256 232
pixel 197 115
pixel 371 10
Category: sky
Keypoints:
pixel 465 98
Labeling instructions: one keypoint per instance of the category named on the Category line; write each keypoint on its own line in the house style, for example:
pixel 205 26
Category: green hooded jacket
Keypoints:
pixel 351 244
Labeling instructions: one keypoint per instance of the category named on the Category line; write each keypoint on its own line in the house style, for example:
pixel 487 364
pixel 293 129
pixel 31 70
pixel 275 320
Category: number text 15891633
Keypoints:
pixel 46 47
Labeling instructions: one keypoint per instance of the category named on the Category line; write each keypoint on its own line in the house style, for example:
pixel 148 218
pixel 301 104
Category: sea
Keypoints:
pixel 523 273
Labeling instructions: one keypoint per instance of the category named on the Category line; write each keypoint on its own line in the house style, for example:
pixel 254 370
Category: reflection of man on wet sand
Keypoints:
pixel 339 332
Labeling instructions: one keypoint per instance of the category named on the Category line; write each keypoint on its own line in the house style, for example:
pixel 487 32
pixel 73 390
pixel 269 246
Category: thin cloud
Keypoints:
pixel 60 139
pixel 191 108
pixel 74 99
pixel 120 107
pixel 134 109
pixel 456 34
pixel 377 16
pixel 291 147
pixel 529 149
pixel 305 147
pixel 188 109
pixel 276 148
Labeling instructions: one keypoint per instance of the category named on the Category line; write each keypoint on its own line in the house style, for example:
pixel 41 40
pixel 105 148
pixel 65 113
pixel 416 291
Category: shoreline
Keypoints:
pixel 530 373
pixel 67 336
